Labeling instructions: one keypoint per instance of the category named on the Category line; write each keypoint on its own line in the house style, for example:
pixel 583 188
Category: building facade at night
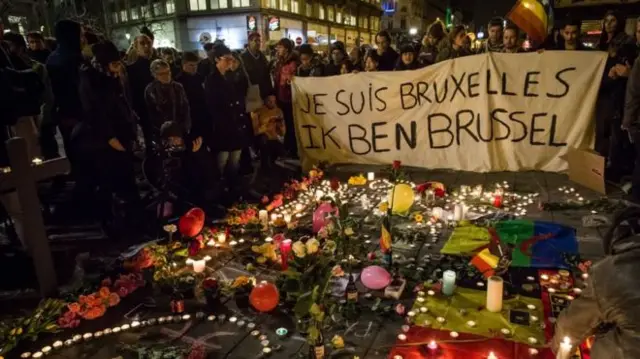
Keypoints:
pixel 187 24
pixel 411 17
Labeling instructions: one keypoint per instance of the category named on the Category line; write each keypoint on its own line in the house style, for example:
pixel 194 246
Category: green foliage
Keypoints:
pixel 41 320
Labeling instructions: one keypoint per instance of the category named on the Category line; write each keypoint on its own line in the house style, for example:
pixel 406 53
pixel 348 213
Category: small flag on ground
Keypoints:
pixel 485 262
pixel 385 238
pixel 532 17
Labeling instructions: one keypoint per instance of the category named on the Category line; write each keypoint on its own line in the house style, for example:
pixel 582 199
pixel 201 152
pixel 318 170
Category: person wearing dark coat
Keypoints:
pixel 408 59
pixel 37 51
pixel 257 66
pixel 285 70
pixel 193 84
pixel 108 128
pixel 388 56
pixel 63 67
pixel 310 65
pixel 139 76
pixel 338 59
pixel 227 110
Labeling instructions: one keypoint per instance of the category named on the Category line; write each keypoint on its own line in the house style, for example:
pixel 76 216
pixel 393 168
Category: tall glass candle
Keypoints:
pixel 448 282
pixel 457 212
pixel 263 216
pixel 285 249
pixel 371 176
pixel 494 294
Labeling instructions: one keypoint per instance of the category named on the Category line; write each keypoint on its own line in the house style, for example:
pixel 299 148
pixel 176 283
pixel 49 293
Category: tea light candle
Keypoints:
pixel 46 350
pixel 440 319
pixel 287 218
pixel 115 330
pixel 266 350
pixel 471 323
pixel 233 319
pixel 57 344
pixel 564 352
pixel 68 342
pixel 37 355
pixel 491 356
pixel 437 212
pixel 281 332
pixel 37 160
pixel 25 355
pixel 405 328
pixel 577 290
pixel 186 317
pixel 533 351
pixel 424 309
pixel 420 299
pixel 87 336
pixel 268 239
pixel 433 346
pixel 222 237
pixel 402 337
pixel 274 217
pixel 544 277
pixel 454 334
pixel 430 292
pixel 531 306
pixel 135 324
pixel 98 334
pixel 199 265
pixel 494 294
pixel 371 176
pixel 448 282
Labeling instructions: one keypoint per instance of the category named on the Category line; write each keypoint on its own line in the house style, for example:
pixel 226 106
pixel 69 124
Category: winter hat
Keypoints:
pixel 406 48
pixel 306 49
pixel 338 45
pixel 105 52
pixel 286 43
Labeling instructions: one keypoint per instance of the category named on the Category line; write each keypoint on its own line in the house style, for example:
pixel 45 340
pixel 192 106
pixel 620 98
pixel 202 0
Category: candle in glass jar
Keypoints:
pixel 287 218
pixel 494 294
pixel 285 250
pixel 448 282
pixel 263 216
pixel 222 237
pixel 371 176
pixel 199 265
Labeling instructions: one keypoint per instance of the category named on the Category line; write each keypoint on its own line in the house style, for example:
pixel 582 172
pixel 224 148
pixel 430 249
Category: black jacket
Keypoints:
pixel 388 60
pixel 259 72
pixel 168 103
pixel 315 70
pixel 140 77
pixel 39 55
pixel 63 66
pixel 106 108
pixel 226 108
pixel 400 66
pixel 194 88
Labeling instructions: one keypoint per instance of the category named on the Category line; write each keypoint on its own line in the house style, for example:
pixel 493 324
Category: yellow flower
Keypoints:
pixel 418 217
pixel 261 260
pixel 348 231
pixel 383 207
pixel 240 281
pixel 299 249
pixel 357 180
pixel 312 246
pixel 329 246
pixel 269 251
pixel 337 342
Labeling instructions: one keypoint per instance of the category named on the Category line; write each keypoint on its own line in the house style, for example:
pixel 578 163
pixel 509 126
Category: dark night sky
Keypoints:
pixel 484 10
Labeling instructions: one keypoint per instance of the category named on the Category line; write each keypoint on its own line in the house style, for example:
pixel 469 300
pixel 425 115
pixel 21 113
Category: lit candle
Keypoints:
pixel 564 352
pixel 371 176
pixel 268 239
pixel 491 356
pixel 285 250
pixel 287 218
pixel 299 207
pixel 274 216
pixel 46 350
pixel 263 216
pixel 199 265
pixel 457 212
pixel 454 334
pixel 402 337
pixel 222 237
pixel 437 212
pixel 494 294
pixel 57 344
pixel 37 160
pixel 448 282
pixel 433 346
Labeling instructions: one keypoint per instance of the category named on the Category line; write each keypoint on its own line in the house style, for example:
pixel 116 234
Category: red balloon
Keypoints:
pixel 192 222
pixel 264 297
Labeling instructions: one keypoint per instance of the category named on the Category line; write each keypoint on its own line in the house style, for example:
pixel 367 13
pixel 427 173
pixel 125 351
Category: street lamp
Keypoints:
pixel 413 31
pixel 480 35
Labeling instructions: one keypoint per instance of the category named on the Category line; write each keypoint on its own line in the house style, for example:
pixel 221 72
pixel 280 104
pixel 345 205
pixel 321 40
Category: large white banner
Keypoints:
pixel 491 112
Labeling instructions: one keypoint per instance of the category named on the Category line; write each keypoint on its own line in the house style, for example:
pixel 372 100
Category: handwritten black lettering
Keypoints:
pixel 530 80
pixel 563 82
pixel 535 129
pixel 406 90
pixel 458 85
pixel 361 138
pixel 346 107
pixel 471 84
pixel 410 139
pixel 309 128
pixel 460 126
pixel 432 131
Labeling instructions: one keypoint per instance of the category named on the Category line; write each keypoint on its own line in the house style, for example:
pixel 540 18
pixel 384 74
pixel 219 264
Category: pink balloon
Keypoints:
pixel 375 277
pixel 320 216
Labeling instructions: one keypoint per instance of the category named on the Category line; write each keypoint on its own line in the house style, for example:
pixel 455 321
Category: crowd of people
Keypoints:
pixel 216 114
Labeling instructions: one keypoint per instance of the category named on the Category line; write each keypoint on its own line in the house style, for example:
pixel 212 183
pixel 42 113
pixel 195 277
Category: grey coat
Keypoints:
pixel 609 305
pixel 632 97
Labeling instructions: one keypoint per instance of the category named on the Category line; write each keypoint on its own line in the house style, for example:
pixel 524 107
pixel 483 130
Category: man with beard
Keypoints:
pixel 570 33
pixel 494 42
pixel 388 56
pixel 510 40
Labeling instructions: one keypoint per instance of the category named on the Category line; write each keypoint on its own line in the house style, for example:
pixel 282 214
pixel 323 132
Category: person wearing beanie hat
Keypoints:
pixel 107 134
pixel 407 60
pixel 310 66
pixel 286 67
pixel 226 104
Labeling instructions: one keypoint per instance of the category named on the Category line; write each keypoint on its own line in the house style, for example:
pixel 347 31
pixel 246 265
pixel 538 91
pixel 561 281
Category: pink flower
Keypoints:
pixel 371 256
pixel 123 292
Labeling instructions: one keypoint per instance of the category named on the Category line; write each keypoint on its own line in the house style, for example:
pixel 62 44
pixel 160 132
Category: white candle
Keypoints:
pixel 371 176
pixel 199 265
pixel 494 294
pixel 222 237
pixel 437 212
pixel 564 352
pixel 491 356
pixel 287 218
pixel 274 217
pixel 448 282
pixel 263 216
pixel 299 207
pixel 457 212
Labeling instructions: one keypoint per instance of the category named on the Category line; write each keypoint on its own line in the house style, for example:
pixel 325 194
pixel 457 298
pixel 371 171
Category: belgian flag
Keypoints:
pixel 385 237
pixel 533 17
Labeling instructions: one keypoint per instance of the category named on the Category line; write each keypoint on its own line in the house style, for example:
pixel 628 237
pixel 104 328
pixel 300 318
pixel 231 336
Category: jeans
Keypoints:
pixel 229 164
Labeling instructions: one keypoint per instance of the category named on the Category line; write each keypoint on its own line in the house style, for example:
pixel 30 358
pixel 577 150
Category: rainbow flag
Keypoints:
pixel 532 16
pixel 385 237
pixel 534 243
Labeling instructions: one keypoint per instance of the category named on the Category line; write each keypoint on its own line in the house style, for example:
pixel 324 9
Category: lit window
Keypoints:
pixel 353 21
pixel 284 5
pixel 158 9
pixel 171 6
pixel 321 12
pixel 295 6
pixel 339 17
pixel 330 13
pixel 114 17
pixel 365 22
pixel 218 4
pixel 145 11
pixel 272 4
pixel 309 9
pixel 123 15
pixel 197 5
pixel 135 13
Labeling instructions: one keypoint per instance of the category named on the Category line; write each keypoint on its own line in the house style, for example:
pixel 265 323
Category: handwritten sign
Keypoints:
pixel 490 112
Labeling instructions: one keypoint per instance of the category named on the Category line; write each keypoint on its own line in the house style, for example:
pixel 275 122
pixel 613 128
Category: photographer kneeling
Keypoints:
pixel 190 162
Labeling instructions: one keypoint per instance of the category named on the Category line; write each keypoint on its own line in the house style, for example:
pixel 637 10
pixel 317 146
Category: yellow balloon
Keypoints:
pixel 401 197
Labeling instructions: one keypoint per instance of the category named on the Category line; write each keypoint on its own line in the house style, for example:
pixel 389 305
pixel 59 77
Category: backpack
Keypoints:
pixel 24 90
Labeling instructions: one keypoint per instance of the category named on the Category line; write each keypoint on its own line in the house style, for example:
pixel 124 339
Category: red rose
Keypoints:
pixel 334 184
pixel 194 248
pixel 439 192
pixel 210 283
pixel 396 165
